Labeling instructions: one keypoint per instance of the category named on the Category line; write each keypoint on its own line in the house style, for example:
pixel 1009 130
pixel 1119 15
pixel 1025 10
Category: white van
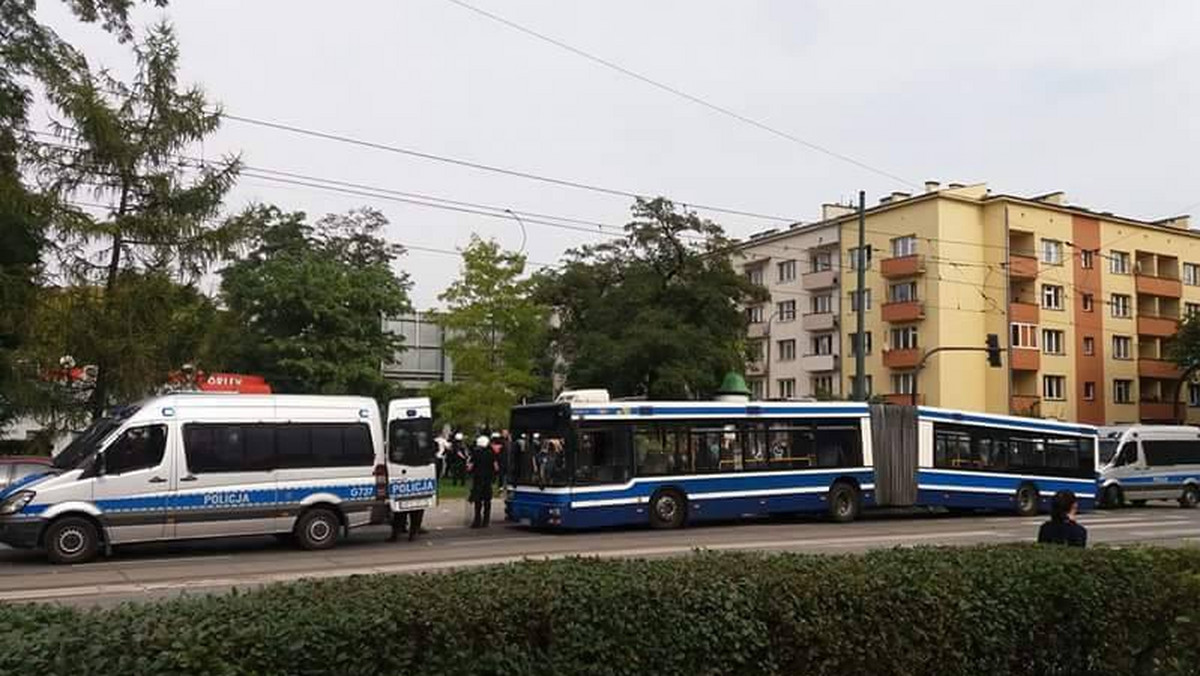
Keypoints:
pixel 1149 462
pixel 210 465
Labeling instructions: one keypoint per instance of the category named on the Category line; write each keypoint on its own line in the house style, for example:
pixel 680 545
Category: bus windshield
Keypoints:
pixel 540 445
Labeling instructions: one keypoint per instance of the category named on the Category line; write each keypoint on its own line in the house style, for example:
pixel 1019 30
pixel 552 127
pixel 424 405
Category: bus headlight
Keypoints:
pixel 16 502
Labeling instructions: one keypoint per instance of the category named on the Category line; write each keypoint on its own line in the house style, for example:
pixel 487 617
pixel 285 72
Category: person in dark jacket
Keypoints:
pixel 482 466
pixel 406 522
pixel 1062 529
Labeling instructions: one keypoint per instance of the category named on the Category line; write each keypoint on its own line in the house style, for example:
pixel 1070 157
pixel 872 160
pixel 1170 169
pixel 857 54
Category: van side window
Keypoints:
pixel 264 447
pixel 137 448
pixel 1127 455
pixel 324 445
pixel 228 448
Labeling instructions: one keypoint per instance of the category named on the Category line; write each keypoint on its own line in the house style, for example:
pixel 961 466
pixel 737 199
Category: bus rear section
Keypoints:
pixel 960 460
pixel 669 463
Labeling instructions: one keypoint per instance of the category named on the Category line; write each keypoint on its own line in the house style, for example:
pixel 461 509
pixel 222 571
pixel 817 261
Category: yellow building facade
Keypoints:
pixel 1082 303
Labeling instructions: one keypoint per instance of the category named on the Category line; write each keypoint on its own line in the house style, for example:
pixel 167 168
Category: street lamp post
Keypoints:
pixel 767 363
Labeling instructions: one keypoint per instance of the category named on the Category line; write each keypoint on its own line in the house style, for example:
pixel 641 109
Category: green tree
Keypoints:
pixel 656 313
pixel 494 329
pixel 1184 350
pixel 120 144
pixel 306 306
pixel 29 52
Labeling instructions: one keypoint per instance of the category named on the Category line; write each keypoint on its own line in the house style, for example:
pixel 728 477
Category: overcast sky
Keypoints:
pixel 1095 98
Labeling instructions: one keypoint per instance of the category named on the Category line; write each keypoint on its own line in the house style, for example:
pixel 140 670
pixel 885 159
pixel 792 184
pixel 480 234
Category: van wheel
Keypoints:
pixel 1190 497
pixel 1112 498
pixel 668 509
pixel 844 503
pixel 317 529
pixel 72 540
pixel 1027 500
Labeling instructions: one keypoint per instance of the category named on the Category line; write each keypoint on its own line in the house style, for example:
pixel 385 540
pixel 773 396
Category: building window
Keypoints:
pixel 755 276
pixel 787 311
pixel 1123 391
pixel 1024 336
pixel 1089 302
pixel 754 351
pixel 866 294
pixel 1191 274
pixel 787 388
pixel 1052 297
pixel 867 391
pixel 1190 309
pixel 1122 347
pixel 1118 262
pixel 756 388
pixel 822 386
pixel 1054 387
pixel 820 261
pixel 786 349
pixel 1052 341
pixel 854 343
pixel 902 293
pixel 1120 305
pixel 787 271
pixel 1089 346
pixel 822 344
pixel 860 257
pixel 902 383
pixel 1089 391
pixel 904 338
pixel 1052 252
pixel 904 246
pixel 822 304
pixel 754 315
pixel 1087 259
pixel 1193 394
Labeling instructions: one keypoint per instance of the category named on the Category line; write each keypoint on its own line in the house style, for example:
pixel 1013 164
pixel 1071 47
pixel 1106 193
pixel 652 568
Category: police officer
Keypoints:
pixel 409 522
pixel 482 467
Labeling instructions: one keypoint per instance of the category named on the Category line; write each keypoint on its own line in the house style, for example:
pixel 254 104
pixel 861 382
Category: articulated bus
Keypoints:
pixel 581 464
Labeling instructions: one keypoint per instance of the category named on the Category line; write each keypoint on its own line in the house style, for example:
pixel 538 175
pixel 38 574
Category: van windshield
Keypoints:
pixel 1108 449
pixel 84 446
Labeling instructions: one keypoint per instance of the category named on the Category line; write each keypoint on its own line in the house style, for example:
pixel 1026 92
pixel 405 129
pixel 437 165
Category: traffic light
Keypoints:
pixel 993 350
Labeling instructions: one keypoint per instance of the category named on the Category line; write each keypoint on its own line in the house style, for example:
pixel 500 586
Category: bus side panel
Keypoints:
pixel 979 490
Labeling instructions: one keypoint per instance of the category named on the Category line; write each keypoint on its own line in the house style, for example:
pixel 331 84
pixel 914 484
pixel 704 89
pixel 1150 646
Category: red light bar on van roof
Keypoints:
pixel 233 383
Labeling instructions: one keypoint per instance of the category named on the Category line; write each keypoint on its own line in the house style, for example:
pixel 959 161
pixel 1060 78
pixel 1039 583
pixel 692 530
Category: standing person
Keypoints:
pixel 458 454
pixel 439 455
pixel 406 522
pixel 500 451
pixel 1062 529
pixel 482 467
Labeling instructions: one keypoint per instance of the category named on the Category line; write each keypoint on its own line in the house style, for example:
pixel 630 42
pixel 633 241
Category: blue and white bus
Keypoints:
pixel 590 464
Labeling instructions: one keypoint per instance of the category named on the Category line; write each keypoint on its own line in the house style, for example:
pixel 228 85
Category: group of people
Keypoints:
pixel 453 456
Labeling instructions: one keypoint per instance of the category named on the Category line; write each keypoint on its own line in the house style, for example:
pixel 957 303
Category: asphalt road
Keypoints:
pixel 146 572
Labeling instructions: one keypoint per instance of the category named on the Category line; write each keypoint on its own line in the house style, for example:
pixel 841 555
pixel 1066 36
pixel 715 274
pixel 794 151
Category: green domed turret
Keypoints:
pixel 733 388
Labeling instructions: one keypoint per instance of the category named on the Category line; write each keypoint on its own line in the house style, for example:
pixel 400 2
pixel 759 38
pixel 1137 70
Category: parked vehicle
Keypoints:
pixel 1149 462
pixel 16 467
pixel 307 468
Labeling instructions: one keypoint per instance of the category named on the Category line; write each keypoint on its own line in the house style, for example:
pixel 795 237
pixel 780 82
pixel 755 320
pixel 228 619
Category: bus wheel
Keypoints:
pixel 1190 497
pixel 1112 498
pixel 667 509
pixel 72 540
pixel 843 503
pixel 1027 500
pixel 317 529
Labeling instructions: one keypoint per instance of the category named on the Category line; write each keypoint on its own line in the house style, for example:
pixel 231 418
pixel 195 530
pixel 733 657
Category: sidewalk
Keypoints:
pixel 456 513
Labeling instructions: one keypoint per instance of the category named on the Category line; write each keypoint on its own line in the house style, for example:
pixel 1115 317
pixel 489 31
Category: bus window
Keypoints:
pixel 838 445
pixel 603 457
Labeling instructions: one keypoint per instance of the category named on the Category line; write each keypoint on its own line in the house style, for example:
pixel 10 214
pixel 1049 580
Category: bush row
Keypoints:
pixel 999 610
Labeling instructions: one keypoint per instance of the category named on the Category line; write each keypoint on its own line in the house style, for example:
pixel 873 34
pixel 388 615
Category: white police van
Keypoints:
pixel 207 465
pixel 1149 462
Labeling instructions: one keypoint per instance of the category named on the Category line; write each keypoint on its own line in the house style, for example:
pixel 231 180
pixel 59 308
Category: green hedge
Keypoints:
pixel 1002 610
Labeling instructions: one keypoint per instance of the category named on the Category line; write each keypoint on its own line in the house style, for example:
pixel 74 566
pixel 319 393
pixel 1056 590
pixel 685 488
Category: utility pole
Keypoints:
pixel 860 358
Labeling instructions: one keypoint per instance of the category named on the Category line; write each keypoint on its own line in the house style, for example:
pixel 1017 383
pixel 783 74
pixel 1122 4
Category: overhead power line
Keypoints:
pixel 684 95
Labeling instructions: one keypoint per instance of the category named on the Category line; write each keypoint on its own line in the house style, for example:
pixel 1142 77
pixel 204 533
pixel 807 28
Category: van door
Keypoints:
pixel 226 480
pixel 132 483
pixel 412 478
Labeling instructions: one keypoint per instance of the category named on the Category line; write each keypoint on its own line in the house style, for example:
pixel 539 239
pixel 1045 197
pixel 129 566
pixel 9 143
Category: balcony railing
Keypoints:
pixel 818 362
pixel 903 358
pixel 1025 404
pixel 1158 368
pixel 1026 359
pixel 1021 266
pixel 902 266
pixel 1023 313
pixel 1158 286
pixel 1156 410
pixel 819 321
pixel 903 311
pixel 1153 325
pixel 822 279
pixel 904 399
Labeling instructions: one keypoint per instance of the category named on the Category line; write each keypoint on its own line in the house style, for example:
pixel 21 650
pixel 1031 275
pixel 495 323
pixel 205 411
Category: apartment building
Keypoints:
pixel 795 343
pixel 1083 303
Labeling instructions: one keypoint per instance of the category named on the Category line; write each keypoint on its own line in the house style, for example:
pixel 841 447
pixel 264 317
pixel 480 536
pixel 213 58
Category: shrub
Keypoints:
pixel 997 610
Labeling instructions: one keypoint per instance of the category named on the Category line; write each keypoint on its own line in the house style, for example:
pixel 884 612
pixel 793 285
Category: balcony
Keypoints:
pixel 1161 327
pixel 1158 368
pixel 1026 360
pixel 1158 286
pixel 822 279
pixel 903 266
pixel 814 363
pixel 903 311
pixel 1156 410
pixel 1022 267
pixel 819 321
pixel 902 359
pixel 1023 313
pixel 1025 404
pixel 904 399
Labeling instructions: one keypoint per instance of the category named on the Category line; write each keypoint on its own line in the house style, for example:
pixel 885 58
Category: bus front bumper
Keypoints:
pixel 534 511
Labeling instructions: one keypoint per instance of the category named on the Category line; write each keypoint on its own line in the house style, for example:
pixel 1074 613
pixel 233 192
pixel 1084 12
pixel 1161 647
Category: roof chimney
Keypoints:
pixel 1057 197
pixel 830 211
pixel 956 186
pixel 897 195
pixel 932 186
pixel 1181 222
